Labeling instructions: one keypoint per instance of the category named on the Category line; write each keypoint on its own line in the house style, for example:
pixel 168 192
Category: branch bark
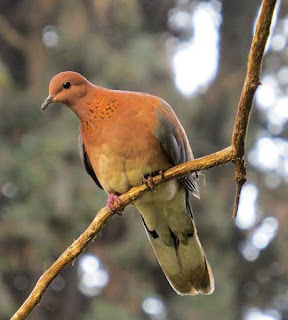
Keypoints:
pixel 233 153
pixel 250 86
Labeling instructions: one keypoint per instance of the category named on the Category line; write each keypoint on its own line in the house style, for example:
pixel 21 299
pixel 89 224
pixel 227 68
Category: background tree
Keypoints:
pixel 47 199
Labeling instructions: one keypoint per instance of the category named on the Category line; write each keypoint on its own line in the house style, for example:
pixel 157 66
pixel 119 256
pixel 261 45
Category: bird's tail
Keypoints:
pixel 184 263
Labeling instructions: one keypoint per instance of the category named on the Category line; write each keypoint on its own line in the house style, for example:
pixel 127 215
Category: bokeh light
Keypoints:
pixel 259 238
pixel 50 36
pixel 257 314
pixel 265 233
pixel 92 277
pixel 270 154
pixel 195 63
pixel 249 251
pixel 154 307
pixel 247 212
pixel 9 189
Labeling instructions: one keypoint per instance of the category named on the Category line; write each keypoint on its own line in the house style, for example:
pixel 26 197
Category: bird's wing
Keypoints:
pixel 173 140
pixel 85 160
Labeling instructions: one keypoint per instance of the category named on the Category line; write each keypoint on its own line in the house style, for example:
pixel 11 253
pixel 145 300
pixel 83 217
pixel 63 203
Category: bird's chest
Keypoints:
pixel 122 157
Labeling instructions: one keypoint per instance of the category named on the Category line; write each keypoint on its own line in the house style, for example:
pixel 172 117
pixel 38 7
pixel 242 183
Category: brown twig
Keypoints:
pixel 250 85
pixel 234 154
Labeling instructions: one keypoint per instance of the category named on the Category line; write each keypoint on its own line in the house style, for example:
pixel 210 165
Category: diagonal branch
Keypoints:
pixel 233 154
pixel 75 249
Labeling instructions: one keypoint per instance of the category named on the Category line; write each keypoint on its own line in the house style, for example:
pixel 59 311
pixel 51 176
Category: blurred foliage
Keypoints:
pixel 47 199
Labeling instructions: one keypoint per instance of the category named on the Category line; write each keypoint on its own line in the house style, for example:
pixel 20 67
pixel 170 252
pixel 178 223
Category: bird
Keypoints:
pixel 126 138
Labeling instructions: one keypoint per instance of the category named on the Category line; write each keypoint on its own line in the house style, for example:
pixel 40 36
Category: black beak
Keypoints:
pixel 46 102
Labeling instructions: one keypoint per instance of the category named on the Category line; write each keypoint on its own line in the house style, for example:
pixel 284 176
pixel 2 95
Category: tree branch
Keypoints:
pixel 75 249
pixel 234 154
pixel 250 86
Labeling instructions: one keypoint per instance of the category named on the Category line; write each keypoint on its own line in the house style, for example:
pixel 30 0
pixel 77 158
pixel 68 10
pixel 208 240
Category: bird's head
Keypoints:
pixel 67 88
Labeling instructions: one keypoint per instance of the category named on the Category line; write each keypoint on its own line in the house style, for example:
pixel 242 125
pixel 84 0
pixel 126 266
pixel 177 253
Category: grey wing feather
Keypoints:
pixel 85 160
pixel 172 138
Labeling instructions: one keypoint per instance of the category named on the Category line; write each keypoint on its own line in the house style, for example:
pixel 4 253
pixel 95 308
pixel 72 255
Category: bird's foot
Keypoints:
pixel 148 180
pixel 113 197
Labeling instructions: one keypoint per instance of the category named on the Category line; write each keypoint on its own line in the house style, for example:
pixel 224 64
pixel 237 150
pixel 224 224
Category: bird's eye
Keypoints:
pixel 66 85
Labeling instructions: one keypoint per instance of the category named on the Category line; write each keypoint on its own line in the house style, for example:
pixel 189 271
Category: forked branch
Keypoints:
pixel 234 153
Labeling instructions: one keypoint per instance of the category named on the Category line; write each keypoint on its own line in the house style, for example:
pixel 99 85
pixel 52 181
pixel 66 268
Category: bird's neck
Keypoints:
pixel 97 106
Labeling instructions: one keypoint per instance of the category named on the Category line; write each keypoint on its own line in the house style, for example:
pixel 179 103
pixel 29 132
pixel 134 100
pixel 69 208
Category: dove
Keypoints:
pixel 126 138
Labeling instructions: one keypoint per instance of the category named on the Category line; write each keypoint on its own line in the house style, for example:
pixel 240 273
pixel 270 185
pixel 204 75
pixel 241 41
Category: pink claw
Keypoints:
pixel 113 197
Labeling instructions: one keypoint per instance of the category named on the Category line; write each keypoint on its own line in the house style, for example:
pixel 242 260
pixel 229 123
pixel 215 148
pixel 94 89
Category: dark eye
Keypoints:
pixel 66 85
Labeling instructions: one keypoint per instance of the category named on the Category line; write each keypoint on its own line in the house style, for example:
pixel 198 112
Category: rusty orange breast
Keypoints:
pixel 118 136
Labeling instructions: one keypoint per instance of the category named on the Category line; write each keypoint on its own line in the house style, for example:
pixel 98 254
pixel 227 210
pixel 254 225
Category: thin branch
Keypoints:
pixel 250 86
pixel 233 154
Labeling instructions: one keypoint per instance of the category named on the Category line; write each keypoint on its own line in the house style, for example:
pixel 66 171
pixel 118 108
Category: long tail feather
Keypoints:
pixel 185 265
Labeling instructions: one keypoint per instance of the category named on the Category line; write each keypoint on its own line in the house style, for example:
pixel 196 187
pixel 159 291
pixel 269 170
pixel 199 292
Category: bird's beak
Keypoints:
pixel 46 102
